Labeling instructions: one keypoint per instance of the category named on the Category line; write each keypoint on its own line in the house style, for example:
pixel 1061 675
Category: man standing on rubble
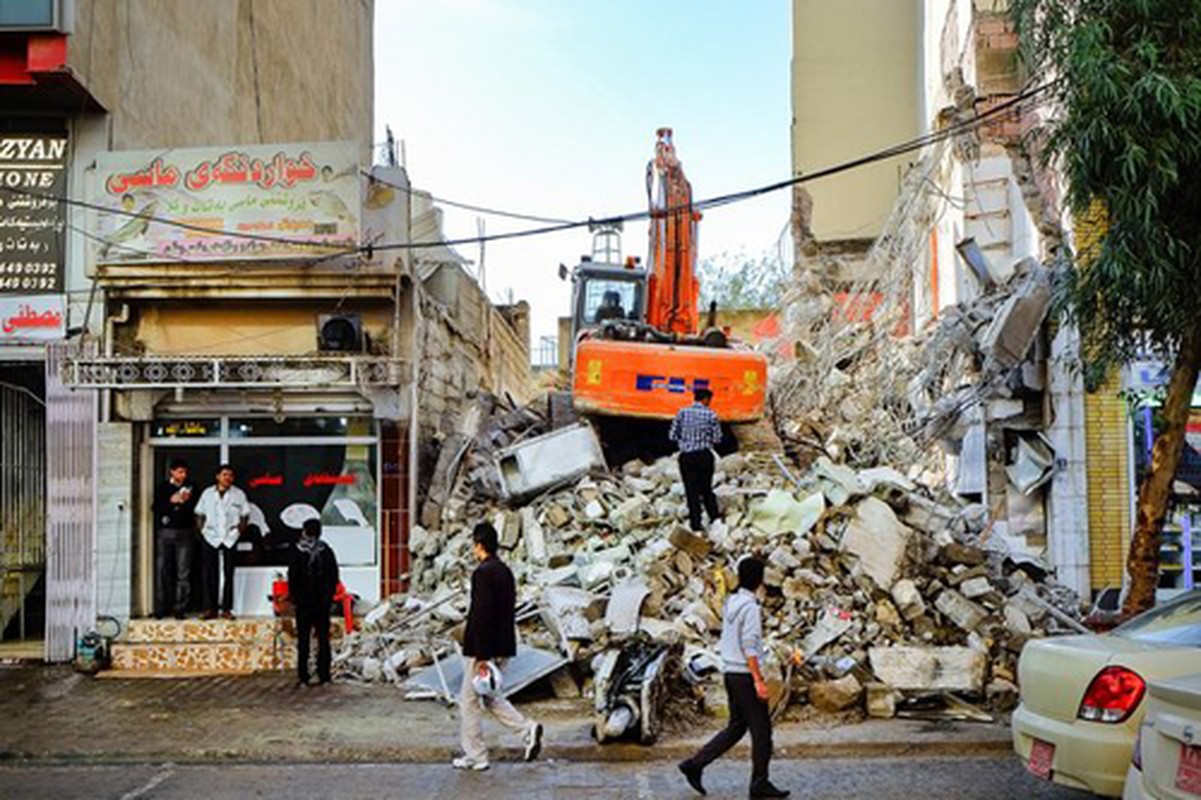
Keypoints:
pixel 741 656
pixel 490 637
pixel 696 431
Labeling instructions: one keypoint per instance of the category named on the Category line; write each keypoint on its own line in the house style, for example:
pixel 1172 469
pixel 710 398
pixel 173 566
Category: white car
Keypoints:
pixel 1167 754
pixel 1082 696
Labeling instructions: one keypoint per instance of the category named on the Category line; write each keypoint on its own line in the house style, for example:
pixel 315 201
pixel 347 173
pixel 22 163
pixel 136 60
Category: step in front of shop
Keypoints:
pixel 207 647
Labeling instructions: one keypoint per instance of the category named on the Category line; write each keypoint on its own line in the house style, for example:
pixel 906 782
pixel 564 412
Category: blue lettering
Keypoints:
pixel 674 384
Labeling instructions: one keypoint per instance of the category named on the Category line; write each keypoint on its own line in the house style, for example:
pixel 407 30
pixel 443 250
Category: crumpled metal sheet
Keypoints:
pixel 529 665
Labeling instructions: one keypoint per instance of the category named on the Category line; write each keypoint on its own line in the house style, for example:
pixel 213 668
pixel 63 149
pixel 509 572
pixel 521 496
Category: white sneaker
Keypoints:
pixel 463 762
pixel 533 742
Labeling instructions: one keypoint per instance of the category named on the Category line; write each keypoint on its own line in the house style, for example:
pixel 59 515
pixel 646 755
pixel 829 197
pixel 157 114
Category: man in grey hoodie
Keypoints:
pixel 741 654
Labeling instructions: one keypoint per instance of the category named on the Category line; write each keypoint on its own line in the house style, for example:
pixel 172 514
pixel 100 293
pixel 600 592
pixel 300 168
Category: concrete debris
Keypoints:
pixel 547 461
pixel 929 668
pixel 878 540
pixel 836 695
pixel 890 589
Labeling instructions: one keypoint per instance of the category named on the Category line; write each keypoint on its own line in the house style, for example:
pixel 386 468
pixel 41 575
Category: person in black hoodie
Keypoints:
pixel 312 583
pixel 490 637
pixel 175 534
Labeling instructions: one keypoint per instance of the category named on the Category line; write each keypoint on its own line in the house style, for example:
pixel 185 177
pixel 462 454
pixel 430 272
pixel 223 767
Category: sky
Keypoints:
pixel 549 107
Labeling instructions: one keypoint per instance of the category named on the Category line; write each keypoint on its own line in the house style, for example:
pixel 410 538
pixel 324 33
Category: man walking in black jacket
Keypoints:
pixel 312 583
pixel 175 526
pixel 491 636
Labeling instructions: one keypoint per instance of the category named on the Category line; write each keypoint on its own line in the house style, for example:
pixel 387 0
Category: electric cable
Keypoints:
pixel 911 145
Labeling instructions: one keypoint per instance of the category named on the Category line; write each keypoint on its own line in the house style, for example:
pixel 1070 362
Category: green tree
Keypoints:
pixel 737 280
pixel 1126 133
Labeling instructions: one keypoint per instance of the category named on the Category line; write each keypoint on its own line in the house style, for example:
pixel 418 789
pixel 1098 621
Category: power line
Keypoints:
pixel 557 226
pixel 496 212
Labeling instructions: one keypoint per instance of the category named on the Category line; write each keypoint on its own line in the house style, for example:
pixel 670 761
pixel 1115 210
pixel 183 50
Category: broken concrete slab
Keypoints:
pixel 928 668
pixel 624 611
pixel 878 539
pixel 975 587
pixel 535 539
pixel 961 611
pixel 908 599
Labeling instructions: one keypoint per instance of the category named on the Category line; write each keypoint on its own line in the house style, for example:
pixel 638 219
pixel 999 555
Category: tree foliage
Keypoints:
pixel 1126 132
pixel 737 280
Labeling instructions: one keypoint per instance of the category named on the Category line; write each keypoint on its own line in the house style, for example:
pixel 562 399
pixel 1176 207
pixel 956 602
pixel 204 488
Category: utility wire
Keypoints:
pixel 496 212
pixel 557 226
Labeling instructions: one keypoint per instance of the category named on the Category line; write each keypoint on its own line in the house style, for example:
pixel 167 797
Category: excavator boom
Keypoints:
pixel 640 351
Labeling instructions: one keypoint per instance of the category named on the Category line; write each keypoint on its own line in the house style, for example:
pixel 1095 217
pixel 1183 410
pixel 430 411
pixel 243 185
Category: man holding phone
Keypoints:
pixel 175 523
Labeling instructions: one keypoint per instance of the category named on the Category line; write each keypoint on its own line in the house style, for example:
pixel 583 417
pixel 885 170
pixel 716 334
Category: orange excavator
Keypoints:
pixel 641 348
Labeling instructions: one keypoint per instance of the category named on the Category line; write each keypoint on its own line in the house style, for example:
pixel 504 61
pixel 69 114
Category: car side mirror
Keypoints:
pixel 562 272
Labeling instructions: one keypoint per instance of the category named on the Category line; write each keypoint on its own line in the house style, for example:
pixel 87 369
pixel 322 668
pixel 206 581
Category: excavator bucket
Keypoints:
pixel 654 381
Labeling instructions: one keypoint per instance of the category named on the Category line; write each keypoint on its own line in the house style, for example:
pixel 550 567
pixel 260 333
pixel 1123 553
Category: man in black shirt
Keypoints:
pixel 490 637
pixel 312 583
pixel 175 523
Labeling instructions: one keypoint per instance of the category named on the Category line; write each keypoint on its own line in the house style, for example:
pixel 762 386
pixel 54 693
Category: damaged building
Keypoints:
pixel 948 249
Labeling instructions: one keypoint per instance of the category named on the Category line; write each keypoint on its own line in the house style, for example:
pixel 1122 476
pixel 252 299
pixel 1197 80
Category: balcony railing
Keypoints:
pixel 166 372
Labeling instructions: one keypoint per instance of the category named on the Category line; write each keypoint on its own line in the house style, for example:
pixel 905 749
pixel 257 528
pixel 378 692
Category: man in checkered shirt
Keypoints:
pixel 696 430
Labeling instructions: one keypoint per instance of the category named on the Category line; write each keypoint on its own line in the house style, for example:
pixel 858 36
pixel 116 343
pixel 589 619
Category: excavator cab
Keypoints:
pixel 604 288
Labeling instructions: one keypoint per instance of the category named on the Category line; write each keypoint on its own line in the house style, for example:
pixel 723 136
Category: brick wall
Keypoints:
pixel 1105 436
pixel 1106 431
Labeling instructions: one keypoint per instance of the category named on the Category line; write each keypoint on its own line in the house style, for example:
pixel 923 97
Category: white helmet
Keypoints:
pixel 488 683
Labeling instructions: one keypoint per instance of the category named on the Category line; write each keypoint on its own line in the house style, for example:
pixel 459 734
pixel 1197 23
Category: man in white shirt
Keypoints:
pixel 221 516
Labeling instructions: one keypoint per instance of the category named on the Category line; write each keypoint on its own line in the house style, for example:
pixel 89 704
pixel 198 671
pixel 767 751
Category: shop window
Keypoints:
pixel 289 483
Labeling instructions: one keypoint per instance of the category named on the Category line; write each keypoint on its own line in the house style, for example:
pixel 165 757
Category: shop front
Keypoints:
pixel 292 469
pixel 1180 549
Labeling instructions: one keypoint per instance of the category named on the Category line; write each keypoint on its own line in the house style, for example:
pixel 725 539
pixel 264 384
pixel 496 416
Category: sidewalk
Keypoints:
pixel 54 714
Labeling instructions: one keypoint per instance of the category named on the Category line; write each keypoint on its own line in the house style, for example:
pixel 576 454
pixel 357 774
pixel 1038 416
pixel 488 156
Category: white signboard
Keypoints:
pixel 36 318
pixel 238 203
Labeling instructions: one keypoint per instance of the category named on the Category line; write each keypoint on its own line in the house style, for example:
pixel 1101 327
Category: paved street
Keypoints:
pixel 879 779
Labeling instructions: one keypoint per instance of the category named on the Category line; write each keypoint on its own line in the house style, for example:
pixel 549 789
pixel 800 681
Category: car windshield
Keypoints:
pixel 1177 623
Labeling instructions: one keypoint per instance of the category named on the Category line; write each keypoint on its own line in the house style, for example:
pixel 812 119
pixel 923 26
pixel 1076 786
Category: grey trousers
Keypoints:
pixel 173 570
pixel 472 715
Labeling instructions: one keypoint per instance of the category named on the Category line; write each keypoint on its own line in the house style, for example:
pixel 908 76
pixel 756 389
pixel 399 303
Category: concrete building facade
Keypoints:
pixel 186 326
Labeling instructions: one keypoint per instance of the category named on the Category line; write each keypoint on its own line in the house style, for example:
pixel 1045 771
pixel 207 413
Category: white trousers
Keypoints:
pixel 472 715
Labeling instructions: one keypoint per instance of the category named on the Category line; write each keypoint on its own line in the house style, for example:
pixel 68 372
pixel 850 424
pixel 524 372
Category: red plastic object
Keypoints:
pixel 347 600
pixel 281 603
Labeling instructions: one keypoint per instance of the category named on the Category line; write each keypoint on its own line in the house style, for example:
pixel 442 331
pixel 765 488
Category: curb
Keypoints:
pixel 591 753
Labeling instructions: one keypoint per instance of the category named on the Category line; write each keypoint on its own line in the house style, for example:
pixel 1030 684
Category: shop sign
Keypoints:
pixel 36 318
pixel 239 203
pixel 33 174
pixel 187 428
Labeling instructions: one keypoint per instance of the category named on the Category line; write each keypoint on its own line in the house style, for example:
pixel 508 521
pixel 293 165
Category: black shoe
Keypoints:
pixel 768 789
pixel 692 774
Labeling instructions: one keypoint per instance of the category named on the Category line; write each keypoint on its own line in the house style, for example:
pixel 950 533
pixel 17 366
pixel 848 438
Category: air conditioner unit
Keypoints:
pixel 340 333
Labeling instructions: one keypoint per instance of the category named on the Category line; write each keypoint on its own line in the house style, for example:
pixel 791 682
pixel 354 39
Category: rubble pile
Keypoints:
pixel 866 400
pixel 891 592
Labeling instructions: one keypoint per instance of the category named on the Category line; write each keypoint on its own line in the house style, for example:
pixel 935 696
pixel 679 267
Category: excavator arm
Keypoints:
pixel 673 291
